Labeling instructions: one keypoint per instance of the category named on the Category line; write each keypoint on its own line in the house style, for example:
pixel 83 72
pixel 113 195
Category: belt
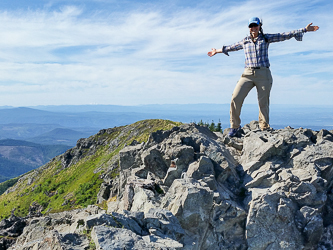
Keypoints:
pixel 257 67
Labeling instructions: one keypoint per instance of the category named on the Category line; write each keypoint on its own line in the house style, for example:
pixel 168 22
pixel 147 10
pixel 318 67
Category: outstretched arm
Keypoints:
pixel 226 49
pixel 214 52
pixel 298 34
pixel 309 27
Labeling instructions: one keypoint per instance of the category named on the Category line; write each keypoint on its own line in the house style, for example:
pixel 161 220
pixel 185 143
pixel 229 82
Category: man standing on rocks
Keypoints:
pixel 257 73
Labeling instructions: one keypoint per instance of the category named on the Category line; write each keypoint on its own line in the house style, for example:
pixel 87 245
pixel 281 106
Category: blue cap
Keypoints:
pixel 255 20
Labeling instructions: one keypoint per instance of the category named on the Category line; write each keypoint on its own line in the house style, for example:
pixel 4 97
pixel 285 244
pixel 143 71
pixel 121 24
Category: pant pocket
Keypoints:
pixel 269 76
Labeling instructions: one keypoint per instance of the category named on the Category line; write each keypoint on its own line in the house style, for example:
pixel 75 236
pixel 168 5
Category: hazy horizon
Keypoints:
pixel 103 116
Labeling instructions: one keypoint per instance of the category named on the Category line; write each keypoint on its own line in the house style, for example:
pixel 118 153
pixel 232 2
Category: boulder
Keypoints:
pixel 154 162
pixel 191 202
pixel 270 223
pixel 114 220
pixel 163 223
pixel 13 226
pixel 227 220
pixel 5 243
pixel 108 238
pixel 203 170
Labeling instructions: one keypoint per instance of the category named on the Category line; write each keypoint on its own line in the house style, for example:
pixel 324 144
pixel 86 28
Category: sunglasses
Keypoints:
pixel 253 25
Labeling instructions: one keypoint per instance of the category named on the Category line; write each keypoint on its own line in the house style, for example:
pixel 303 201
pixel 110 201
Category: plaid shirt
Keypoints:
pixel 256 54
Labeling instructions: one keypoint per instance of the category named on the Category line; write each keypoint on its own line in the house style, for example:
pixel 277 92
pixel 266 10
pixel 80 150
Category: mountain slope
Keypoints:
pixel 18 157
pixel 22 131
pixel 73 179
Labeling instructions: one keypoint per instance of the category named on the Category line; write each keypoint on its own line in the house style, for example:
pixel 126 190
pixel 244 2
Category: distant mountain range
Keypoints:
pixel 67 123
pixel 95 117
pixel 18 157
pixel 59 136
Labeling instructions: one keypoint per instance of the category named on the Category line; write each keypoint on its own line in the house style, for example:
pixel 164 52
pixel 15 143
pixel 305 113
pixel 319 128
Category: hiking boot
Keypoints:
pixel 234 131
pixel 268 129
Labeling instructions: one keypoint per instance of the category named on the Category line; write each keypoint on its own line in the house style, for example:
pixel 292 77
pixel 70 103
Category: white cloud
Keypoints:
pixel 70 56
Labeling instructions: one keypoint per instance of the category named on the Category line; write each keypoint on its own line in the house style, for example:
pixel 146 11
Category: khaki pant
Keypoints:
pixel 262 80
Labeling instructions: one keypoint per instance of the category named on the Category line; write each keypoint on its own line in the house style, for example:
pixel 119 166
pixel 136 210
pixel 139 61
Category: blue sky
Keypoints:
pixel 155 52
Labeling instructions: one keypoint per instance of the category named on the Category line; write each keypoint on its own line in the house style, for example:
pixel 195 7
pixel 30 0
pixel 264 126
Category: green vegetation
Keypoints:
pixel 59 189
pixel 158 189
pixel 212 126
pixel 3 178
pixel 92 245
pixel 7 184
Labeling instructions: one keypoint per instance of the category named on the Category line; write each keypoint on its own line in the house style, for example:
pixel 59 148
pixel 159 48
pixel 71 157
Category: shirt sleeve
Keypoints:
pixel 233 47
pixel 279 37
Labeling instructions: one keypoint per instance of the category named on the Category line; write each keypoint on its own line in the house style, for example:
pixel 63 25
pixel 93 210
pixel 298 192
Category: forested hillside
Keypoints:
pixel 18 157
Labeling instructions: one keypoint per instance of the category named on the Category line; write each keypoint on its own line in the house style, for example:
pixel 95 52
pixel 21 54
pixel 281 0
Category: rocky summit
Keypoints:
pixel 190 188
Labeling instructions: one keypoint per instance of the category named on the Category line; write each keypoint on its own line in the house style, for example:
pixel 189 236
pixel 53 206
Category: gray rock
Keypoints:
pixel 114 220
pixel 326 241
pixel 128 196
pixel 130 223
pixel 75 241
pixel 138 217
pixel 270 223
pixel 5 243
pixel 171 175
pixel 265 176
pixel 13 226
pixel 163 243
pixel 129 157
pixel 203 170
pixel 41 239
pixel 233 142
pixel 310 223
pixel 104 192
pixel 324 135
pixel 154 162
pixel 35 210
pixel 182 156
pixel 57 229
pixel 163 223
pixel 108 238
pixel 143 200
pixel 191 202
pixel 228 219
